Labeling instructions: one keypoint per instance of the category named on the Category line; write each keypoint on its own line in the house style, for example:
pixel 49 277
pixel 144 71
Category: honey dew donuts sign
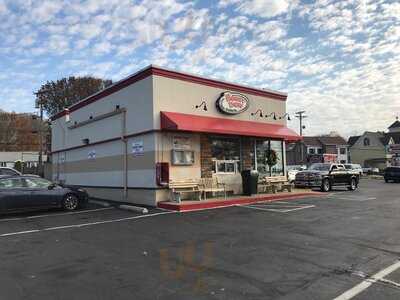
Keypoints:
pixel 232 103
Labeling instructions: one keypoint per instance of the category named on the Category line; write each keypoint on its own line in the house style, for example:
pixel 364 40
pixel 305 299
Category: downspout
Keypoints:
pixel 125 142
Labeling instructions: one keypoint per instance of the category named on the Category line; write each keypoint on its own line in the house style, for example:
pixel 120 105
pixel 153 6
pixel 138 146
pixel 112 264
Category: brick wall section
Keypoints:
pixel 205 156
pixel 247 153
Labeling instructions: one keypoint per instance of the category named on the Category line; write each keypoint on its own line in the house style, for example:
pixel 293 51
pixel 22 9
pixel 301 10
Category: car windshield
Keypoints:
pixel 320 167
pixel 348 167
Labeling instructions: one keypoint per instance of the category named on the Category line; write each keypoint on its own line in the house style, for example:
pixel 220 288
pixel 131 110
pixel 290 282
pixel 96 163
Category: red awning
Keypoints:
pixel 194 123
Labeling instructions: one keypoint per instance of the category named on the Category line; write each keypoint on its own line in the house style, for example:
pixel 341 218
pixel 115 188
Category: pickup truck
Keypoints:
pixel 327 175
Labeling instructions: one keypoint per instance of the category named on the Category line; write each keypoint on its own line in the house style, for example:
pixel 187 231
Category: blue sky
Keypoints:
pixel 338 60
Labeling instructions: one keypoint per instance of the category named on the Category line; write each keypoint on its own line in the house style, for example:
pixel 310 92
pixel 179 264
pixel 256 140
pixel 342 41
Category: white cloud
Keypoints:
pixel 194 20
pixel 46 11
pixel 102 48
pixel 3 7
pixel 264 8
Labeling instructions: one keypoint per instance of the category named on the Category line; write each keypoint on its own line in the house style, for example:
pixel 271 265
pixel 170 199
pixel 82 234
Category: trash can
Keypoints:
pixel 249 182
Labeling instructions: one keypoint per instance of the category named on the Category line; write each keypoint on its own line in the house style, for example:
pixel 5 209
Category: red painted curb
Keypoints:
pixel 230 202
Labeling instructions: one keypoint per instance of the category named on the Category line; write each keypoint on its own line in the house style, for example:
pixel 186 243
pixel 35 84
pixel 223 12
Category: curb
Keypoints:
pixel 101 203
pixel 138 209
pixel 233 202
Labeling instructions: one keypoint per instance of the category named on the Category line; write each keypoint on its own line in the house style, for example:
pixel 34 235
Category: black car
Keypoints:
pixel 327 175
pixel 392 173
pixel 32 193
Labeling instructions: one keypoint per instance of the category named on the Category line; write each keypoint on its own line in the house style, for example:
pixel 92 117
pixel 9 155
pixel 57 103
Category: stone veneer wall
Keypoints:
pixel 247 153
pixel 205 156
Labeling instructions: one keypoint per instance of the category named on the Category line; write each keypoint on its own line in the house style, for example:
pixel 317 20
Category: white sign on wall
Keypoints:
pixel 137 148
pixel 182 143
pixel 92 154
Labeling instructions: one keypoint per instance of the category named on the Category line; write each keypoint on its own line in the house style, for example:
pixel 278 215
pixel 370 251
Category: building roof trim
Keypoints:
pixel 158 71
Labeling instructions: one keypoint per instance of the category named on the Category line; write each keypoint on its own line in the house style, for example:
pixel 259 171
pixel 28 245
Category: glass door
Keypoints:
pixel 269 157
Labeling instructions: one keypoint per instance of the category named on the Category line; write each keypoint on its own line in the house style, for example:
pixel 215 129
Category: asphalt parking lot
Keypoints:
pixel 345 245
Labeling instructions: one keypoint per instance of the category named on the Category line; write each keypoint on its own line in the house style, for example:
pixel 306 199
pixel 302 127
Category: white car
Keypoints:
pixel 292 171
pixel 356 168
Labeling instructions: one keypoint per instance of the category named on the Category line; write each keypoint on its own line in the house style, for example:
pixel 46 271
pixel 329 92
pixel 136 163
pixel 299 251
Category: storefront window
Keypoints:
pixel 274 150
pixel 225 154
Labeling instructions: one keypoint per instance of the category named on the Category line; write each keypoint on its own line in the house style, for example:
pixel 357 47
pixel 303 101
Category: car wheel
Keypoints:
pixel 353 185
pixel 70 202
pixel 386 180
pixel 326 186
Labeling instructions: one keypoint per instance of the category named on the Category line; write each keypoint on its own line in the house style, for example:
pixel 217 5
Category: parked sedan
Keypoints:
pixel 32 193
pixel 4 171
pixel 392 173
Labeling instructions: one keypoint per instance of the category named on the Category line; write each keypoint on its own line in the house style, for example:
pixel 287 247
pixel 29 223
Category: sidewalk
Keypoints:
pixel 189 205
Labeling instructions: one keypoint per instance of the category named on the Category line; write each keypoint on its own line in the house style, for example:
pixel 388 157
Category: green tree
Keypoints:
pixel 57 95
pixel 19 166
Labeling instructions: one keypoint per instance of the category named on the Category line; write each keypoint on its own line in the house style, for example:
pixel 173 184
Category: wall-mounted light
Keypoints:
pixel 256 112
pixel 271 114
pixel 202 104
pixel 66 112
pixel 285 115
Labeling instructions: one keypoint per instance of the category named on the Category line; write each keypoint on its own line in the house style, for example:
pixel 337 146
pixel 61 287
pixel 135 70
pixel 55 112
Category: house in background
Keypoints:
pixel 314 149
pixel 20 140
pixel 29 158
pixel 376 149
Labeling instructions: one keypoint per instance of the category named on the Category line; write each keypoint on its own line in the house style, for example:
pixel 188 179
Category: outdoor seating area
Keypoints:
pixel 200 188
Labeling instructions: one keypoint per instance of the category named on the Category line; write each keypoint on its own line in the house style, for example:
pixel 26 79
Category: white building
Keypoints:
pixel 30 159
pixel 127 141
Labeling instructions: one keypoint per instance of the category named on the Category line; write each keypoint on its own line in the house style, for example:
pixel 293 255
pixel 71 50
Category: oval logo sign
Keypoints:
pixel 232 103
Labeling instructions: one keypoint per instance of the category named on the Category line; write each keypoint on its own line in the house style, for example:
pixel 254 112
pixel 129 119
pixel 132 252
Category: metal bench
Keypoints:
pixel 212 185
pixel 178 187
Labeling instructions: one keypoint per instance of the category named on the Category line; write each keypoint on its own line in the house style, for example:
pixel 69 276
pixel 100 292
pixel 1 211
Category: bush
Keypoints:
pixel 19 165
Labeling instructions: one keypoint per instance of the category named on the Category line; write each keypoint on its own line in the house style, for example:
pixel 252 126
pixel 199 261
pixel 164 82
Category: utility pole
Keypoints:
pixel 39 105
pixel 300 115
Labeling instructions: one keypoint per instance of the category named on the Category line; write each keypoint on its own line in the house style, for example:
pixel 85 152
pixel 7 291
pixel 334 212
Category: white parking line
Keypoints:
pixel 277 209
pixel 351 293
pixel 357 199
pixel 353 198
pixel 57 214
pixel 84 224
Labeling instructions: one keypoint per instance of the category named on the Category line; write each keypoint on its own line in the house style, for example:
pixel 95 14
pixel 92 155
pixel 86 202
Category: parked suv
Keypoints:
pixel 392 173
pixel 355 168
pixel 326 175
